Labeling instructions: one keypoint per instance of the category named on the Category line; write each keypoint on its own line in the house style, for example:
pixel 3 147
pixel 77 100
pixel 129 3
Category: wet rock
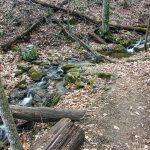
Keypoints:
pixel 36 74
pixel 53 100
pixel 60 88
pixel 18 95
pixel 29 53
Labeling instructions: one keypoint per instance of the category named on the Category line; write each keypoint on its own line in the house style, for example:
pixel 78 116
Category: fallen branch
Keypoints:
pixel 146 37
pixel 85 17
pixel 97 38
pixel 45 114
pixel 63 135
pixel 74 13
pixel 72 37
pixel 8 45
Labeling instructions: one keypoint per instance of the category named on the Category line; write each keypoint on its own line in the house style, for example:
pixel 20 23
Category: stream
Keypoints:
pixel 37 91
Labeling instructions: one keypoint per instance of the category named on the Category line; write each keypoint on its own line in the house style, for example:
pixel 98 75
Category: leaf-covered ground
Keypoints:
pixel 117 108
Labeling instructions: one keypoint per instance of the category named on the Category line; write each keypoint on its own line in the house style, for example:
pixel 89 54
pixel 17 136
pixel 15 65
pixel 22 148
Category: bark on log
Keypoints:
pixel 64 135
pixel 85 17
pixel 45 114
pixel 97 38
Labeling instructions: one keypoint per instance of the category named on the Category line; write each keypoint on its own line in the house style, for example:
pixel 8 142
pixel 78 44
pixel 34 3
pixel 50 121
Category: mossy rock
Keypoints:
pixel 124 41
pixel 29 53
pixel 23 67
pixel 53 100
pixel 105 75
pixel 18 72
pixel 79 84
pixel 67 67
pixel 113 50
pixel 72 76
pixel 21 84
pixel 36 74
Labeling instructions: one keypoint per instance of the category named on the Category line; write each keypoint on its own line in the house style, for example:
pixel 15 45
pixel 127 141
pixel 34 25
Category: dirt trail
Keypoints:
pixel 121 115
pixel 125 122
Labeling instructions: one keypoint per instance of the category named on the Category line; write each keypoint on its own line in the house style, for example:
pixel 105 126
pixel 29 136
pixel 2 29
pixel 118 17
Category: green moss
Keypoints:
pixel 67 67
pixel 104 75
pixel 29 53
pixel 79 84
pixel 23 67
pixel 35 74
pixel 91 82
pixel 20 84
pixel 124 41
pixel 72 76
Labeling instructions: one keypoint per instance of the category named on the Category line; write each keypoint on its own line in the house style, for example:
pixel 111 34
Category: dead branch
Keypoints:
pixel 97 38
pixel 7 46
pixel 86 18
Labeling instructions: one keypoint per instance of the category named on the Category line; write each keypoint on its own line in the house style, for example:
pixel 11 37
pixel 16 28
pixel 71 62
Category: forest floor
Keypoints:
pixel 117 109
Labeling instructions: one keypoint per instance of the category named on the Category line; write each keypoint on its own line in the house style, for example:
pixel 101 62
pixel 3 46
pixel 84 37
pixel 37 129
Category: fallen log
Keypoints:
pixel 45 114
pixel 85 17
pixel 64 135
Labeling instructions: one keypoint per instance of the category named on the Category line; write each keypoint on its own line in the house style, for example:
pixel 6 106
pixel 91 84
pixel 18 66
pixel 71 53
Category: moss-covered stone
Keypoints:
pixel 21 84
pixel 23 67
pixel 72 76
pixel 53 100
pixel 29 53
pixel 124 41
pixel 106 75
pixel 79 84
pixel 67 67
pixel 36 73
pixel 113 50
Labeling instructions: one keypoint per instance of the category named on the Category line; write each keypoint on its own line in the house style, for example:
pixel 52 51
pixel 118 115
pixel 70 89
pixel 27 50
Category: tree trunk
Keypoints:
pixel 45 114
pixel 105 16
pixel 8 121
